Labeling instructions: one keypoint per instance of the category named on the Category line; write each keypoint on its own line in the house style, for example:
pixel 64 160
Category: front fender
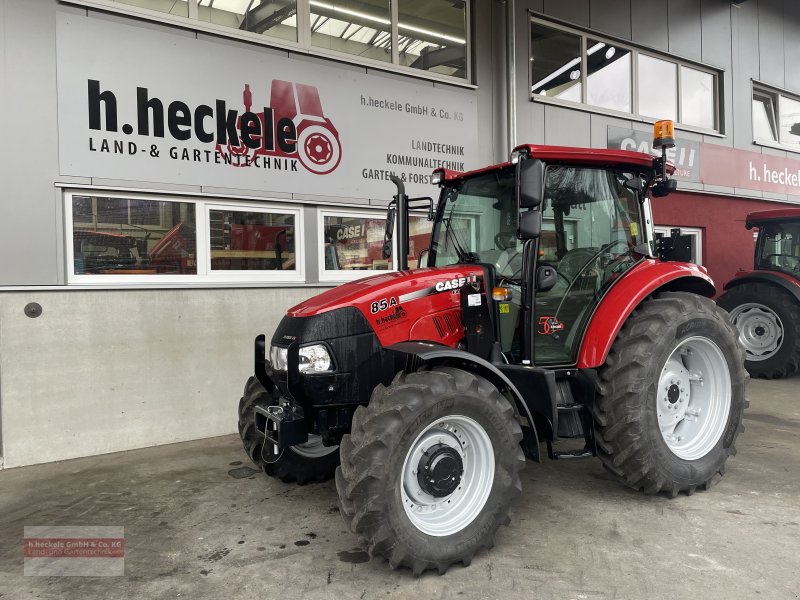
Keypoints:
pixel 435 354
pixel 646 278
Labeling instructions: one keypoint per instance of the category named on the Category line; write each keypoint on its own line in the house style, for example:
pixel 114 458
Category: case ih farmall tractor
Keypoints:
pixel 765 303
pixel 546 312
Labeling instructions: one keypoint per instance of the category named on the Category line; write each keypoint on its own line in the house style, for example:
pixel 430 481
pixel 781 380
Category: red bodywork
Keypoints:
pixel 599 157
pixel 433 315
pixel 756 218
pixel 635 286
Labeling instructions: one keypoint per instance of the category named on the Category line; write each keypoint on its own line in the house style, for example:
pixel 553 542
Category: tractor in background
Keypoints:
pixel 764 303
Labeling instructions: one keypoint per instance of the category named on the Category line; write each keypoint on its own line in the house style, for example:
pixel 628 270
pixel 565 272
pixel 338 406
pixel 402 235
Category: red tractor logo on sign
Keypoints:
pixel 317 144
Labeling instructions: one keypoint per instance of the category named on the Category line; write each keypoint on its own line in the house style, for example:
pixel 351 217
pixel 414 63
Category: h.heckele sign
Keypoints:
pixel 144 105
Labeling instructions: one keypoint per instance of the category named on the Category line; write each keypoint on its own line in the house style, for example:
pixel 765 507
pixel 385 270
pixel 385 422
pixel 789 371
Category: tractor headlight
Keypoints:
pixel 313 359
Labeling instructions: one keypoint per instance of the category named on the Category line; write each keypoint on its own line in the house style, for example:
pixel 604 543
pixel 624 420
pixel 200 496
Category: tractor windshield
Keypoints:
pixel 779 247
pixel 479 223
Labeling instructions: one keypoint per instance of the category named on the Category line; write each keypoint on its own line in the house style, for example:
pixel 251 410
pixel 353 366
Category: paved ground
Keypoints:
pixel 199 523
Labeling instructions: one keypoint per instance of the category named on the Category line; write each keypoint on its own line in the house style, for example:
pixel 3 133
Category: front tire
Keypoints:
pixel 430 469
pixel 768 322
pixel 304 463
pixel 671 396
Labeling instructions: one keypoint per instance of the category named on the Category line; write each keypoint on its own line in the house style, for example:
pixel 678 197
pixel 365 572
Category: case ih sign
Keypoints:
pixel 226 117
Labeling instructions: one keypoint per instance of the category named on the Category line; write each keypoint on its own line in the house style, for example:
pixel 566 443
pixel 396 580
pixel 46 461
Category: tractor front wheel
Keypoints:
pixel 430 468
pixel 671 396
pixel 304 463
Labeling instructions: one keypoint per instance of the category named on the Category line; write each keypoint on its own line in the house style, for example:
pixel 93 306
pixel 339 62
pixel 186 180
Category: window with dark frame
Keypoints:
pixel 776 117
pixel 576 67
pixel 421 35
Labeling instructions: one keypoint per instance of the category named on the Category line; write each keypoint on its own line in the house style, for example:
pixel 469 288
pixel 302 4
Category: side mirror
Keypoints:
pixel 664 188
pixel 530 183
pixel 388 234
pixel 530 225
pixel 546 278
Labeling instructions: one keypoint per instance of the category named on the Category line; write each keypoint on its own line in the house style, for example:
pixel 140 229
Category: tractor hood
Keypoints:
pixel 426 301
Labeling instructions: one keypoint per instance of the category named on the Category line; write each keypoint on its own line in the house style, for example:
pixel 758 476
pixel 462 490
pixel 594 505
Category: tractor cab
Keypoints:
pixel 592 228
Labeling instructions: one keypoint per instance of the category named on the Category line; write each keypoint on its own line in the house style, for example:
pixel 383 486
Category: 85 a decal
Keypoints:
pixel 382 304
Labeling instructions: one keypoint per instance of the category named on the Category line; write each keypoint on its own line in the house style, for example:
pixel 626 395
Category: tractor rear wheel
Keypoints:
pixel 768 322
pixel 304 463
pixel 430 468
pixel 671 396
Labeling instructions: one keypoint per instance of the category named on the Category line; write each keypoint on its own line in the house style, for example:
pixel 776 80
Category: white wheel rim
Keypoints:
pixel 313 448
pixel 449 514
pixel 760 330
pixel 694 398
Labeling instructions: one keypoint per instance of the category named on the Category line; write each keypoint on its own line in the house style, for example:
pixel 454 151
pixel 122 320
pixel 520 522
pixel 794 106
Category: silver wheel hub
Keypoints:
pixel 693 398
pixel 760 330
pixel 447 475
pixel 313 448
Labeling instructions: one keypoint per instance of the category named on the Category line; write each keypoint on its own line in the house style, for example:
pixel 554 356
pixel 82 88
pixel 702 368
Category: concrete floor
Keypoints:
pixel 199 523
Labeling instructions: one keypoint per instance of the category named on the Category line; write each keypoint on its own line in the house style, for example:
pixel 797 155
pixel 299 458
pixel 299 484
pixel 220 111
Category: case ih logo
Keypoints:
pixel 293 126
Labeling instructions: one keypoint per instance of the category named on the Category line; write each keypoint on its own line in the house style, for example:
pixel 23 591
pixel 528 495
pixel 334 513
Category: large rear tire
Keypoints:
pixel 768 322
pixel 305 463
pixel 671 396
pixel 430 469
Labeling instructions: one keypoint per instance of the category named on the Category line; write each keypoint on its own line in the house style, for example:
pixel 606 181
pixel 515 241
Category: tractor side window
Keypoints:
pixel 591 234
pixel 780 247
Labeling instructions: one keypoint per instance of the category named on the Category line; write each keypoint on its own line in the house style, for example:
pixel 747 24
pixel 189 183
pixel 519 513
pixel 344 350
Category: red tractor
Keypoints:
pixel 425 390
pixel 764 303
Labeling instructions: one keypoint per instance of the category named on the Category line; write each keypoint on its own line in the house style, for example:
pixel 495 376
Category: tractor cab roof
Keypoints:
pixel 759 217
pixel 600 157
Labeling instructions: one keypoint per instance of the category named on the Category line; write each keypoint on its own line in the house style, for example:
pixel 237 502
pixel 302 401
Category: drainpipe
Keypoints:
pixel 511 74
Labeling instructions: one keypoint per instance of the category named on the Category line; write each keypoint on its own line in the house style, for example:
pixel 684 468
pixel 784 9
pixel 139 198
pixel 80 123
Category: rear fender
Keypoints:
pixel 437 355
pixel 649 277
pixel 783 281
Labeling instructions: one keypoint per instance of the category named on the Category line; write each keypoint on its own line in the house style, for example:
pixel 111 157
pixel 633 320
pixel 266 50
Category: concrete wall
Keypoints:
pixel 104 371
pixel 113 369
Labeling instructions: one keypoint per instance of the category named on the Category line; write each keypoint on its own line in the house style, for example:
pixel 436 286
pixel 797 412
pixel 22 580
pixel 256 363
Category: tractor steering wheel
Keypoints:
pixel 585 266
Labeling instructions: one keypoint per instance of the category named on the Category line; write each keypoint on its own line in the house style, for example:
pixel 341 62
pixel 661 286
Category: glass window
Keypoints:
pixel 658 85
pixel 433 36
pixel 251 240
pixel 790 121
pixel 764 123
pixel 419 238
pixel 608 83
pixel 121 236
pixel 697 98
pixel 172 7
pixel 276 18
pixel 362 28
pixel 555 63
pixel 353 243
pixel 592 234
pixel 780 247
